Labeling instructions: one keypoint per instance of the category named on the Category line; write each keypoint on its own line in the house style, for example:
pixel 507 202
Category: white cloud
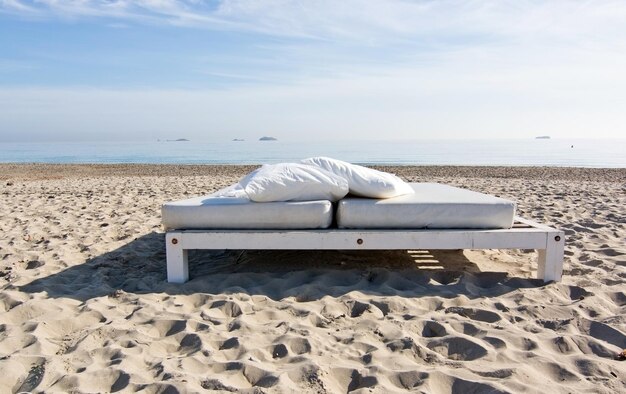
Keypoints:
pixel 361 30
pixel 461 98
pixel 349 32
pixel 402 68
pixel 358 20
pixel 15 6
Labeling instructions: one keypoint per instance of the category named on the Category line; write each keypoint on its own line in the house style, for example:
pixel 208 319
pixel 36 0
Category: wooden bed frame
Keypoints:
pixel 525 234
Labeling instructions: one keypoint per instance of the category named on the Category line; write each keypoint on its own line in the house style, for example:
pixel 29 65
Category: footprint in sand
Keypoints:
pixel 608 251
pixel 190 343
pixel 497 343
pixel 475 314
pixel 592 346
pixel 440 382
pixel 432 329
pixel 563 345
pixel 457 348
pixel 35 376
pixel 299 345
pixel 104 380
pixel 595 369
pixel 351 379
pixel 229 308
pixel 259 377
pixel 618 298
pixel 293 345
pixel 408 380
pixel 356 308
pixel 401 344
pixel 557 372
pixel 240 372
pixel 383 306
pixel 279 351
pixel 230 343
pixel 497 374
pixel 603 332
pixel 166 328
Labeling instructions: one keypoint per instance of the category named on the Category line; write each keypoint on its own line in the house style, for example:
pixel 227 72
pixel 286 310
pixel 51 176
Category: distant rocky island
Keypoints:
pixel 177 140
pixel 268 139
pixel 238 139
pixel 543 137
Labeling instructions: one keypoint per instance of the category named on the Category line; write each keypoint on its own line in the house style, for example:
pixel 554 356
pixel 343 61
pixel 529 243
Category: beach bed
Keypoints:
pixel 435 217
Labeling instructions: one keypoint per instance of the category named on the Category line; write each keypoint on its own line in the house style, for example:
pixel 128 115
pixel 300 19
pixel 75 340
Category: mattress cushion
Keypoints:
pixel 211 212
pixel 432 205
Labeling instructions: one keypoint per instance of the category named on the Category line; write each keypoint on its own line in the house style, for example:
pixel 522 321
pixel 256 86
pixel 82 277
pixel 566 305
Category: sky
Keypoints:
pixel 92 70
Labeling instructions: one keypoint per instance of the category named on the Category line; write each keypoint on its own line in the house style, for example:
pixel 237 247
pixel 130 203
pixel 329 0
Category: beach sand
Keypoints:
pixel 85 307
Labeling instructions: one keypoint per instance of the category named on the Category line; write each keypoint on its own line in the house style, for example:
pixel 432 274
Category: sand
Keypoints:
pixel 84 305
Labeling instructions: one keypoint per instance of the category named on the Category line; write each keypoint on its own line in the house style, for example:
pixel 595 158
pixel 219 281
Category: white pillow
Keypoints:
pixel 232 191
pixel 293 182
pixel 363 181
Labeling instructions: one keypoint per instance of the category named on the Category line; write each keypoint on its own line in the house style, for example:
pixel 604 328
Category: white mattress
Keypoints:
pixel 211 212
pixel 432 206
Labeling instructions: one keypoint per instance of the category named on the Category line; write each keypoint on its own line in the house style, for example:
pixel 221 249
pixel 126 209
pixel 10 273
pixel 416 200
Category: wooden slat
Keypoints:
pixel 525 234
pixel 534 224
pixel 360 239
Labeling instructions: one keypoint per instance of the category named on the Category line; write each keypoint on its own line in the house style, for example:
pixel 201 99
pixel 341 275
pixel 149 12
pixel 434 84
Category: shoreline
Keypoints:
pixel 42 171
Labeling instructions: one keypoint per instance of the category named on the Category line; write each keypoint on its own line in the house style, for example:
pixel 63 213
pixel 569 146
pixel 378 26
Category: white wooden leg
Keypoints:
pixel 550 261
pixel 177 265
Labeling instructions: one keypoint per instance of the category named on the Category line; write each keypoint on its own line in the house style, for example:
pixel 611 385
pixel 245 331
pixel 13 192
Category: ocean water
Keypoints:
pixel 532 152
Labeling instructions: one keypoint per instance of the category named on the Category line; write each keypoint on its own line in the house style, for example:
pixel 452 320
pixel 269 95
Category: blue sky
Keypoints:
pixel 303 70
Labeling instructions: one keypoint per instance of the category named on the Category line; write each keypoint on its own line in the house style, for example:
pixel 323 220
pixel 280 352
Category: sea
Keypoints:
pixel 529 152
